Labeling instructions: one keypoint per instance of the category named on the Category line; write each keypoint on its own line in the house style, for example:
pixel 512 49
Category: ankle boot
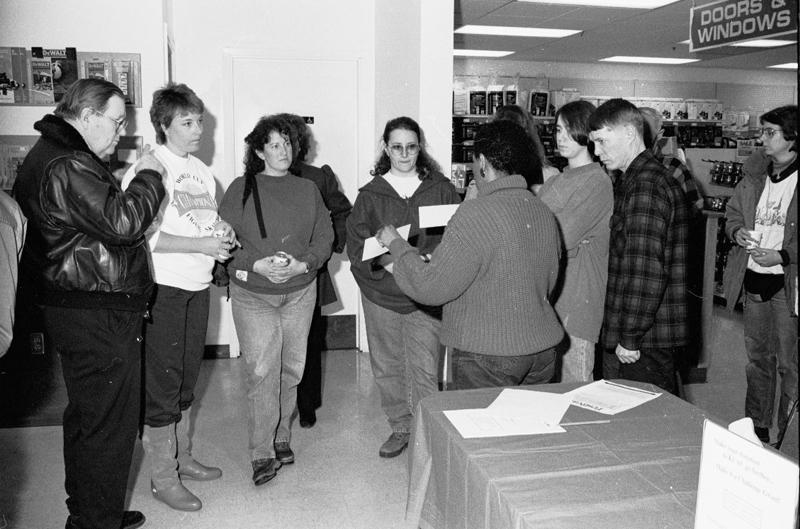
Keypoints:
pixel 188 468
pixel 160 447
pixel 178 497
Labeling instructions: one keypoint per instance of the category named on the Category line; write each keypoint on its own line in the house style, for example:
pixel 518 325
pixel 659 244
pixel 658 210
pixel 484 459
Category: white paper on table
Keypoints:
pixel 372 247
pixel 743 485
pixel 481 422
pixel 433 216
pixel 609 398
pixel 546 407
pixel 745 429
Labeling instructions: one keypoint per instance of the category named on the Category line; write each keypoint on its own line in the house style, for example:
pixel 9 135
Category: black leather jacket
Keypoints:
pixel 85 239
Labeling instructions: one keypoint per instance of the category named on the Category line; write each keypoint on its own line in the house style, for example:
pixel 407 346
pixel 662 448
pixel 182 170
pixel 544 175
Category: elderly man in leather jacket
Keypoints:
pixel 87 250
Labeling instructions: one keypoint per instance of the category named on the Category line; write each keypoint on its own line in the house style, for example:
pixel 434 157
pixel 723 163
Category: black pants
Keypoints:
pixel 655 366
pixel 100 351
pixel 175 337
pixel 309 391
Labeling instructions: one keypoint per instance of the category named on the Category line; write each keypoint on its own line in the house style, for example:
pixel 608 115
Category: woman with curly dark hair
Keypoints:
pixel 403 336
pixel 286 236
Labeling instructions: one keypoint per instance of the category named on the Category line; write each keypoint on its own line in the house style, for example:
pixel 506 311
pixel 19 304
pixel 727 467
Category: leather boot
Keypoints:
pixel 188 468
pixel 160 447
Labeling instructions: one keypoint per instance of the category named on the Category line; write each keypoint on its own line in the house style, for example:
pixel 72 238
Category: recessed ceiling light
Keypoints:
pixel 517 31
pixel 648 60
pixel 785 66
pixel 631 4
pixel 481 53
pixel 764 43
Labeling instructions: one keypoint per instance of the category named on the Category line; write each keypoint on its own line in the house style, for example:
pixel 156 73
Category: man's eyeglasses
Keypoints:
pixel 404 150
pixel 120 123
pixel 768 132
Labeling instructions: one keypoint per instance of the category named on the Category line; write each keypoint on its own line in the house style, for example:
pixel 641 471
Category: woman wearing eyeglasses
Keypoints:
pixel 761 218
pixel 403 336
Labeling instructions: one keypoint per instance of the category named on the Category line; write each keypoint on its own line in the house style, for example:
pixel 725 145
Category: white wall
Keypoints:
pixel 87 25
pixel 414 69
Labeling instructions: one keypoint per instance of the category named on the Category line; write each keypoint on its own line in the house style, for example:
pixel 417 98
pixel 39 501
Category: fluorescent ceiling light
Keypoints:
pixel 785 66
pixel 631 4
pixel 481 53
pixel 647 60
pixel 517 31
pixel 757 43
pixel 764 43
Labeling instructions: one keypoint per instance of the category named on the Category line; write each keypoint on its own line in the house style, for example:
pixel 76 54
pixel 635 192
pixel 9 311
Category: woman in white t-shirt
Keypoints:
pixel 762 221
pixel 185 240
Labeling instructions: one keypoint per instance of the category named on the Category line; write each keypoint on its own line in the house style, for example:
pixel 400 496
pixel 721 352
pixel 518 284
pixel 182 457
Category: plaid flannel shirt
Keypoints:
pixel 646 304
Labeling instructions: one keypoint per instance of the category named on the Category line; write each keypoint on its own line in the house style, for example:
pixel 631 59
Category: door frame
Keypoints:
pixel 365 122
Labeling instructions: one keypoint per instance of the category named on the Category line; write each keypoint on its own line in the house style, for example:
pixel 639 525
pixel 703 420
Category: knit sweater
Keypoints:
pixel 296 221
pixel 582 199
pixel 494 271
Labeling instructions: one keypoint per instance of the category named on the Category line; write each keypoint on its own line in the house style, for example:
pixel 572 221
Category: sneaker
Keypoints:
pixel 394 445
pixel 264 470
pixel 283 453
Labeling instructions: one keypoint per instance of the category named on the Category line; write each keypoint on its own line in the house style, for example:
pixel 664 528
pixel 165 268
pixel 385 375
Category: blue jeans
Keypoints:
pixel 770 338
pixel 404 352
pixel 272 331
pixel 475 370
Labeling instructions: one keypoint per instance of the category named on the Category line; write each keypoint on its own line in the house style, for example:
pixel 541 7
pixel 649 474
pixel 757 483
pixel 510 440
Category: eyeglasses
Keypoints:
pixel 768 132
pixel 404 150
pixel 120 123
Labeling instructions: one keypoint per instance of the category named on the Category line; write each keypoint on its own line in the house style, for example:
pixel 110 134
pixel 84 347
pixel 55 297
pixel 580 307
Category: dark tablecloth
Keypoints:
pixel 639 470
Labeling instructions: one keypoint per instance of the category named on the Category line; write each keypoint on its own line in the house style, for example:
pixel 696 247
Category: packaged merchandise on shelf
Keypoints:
pixel 494 98
pixel 477 99
pixel 680 109
pixel 458 175
pixel 539 103
pixel 510 94
pixel 460 99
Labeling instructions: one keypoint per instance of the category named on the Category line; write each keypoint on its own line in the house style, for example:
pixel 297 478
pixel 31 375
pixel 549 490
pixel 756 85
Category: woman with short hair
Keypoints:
pixel 185 240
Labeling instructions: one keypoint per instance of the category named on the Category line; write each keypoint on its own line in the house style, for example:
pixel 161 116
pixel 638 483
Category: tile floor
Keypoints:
pixel 338 480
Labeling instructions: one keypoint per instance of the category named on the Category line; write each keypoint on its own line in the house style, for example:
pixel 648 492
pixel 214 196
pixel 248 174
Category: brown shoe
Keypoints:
pixel 197 471
pixel 178 497
pixel 394 445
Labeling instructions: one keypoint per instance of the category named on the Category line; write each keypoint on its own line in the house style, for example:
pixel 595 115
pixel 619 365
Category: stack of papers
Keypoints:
pixel 523 412
pixel 609 398
pixel 513 412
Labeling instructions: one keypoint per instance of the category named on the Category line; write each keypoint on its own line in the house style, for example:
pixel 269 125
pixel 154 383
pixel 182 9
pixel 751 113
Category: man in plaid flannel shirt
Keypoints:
pixel 645 321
